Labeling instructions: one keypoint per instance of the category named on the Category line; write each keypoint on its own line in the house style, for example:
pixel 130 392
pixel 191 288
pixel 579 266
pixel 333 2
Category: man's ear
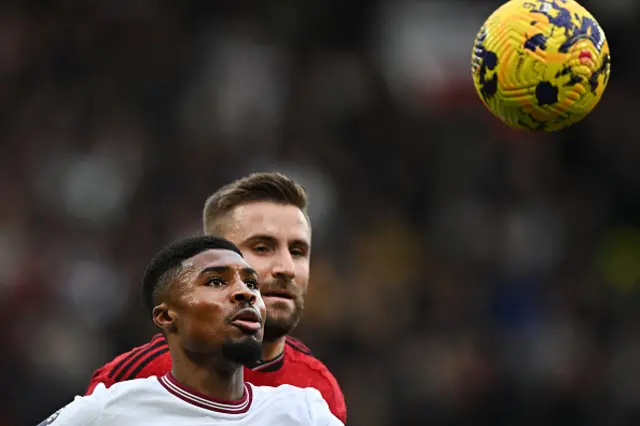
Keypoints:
pixel 164 318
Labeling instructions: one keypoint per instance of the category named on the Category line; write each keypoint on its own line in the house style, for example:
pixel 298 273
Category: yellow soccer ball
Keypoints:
pixel 540 64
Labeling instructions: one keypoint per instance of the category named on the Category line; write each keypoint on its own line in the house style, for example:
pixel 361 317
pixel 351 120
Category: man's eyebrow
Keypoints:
pixel 224 268
pixel 249 270
pixel 269 238
pixel 218 269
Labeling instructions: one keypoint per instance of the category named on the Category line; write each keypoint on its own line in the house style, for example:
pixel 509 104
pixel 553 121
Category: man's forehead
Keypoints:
pixel 269 218
pixel 214 257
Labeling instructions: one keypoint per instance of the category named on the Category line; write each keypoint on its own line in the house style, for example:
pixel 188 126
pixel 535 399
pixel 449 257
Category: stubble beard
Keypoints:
pixel 246 351
pixel 280 323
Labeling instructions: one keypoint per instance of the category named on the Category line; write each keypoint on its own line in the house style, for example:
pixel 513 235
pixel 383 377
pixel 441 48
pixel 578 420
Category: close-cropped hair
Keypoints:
pixel 267 186
pixel 167 264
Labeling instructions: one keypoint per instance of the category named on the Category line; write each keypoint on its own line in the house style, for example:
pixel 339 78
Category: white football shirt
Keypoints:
pixel 165 402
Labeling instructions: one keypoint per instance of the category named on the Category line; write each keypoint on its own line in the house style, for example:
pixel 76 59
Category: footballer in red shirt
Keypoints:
pixel 265 215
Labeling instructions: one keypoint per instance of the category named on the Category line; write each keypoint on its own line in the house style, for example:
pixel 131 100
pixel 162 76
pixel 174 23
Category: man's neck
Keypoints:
pixel 211 379
pixel 272 349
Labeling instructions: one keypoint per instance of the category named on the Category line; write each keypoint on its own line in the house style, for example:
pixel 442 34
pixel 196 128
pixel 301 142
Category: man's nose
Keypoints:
pixel 243 294
pixel 284 267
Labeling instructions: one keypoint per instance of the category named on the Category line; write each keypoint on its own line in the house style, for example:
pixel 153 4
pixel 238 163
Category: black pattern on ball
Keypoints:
pixel 546 93
pixel 537 41
pixel 573 77
pixel 489 87
pixel 593 80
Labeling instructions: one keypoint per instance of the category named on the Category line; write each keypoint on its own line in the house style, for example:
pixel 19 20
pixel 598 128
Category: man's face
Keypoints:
pixel 275 239
pixel 216 306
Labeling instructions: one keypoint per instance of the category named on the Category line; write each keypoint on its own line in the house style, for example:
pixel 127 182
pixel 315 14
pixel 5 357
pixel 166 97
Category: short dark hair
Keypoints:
pixel 167 263
pixel 266 186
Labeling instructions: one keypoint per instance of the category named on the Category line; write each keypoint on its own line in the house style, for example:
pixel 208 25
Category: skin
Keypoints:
pixel 196 316
pixel 275 239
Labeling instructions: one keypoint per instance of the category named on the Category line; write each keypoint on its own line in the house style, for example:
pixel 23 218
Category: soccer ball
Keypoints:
pixel 540 64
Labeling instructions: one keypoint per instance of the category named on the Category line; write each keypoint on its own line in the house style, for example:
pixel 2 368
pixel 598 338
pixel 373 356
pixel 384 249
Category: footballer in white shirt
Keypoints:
pixel 206 299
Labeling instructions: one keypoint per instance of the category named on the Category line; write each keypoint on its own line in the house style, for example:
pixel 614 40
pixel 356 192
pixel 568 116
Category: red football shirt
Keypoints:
pixel 296 366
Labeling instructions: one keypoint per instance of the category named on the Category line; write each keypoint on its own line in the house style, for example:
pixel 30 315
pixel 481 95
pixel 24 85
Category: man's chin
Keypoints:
pixel 246 350
pixel 283 315
pixel 275 328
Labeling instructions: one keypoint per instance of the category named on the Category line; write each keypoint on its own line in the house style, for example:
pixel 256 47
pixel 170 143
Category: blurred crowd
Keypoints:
pixel 462 273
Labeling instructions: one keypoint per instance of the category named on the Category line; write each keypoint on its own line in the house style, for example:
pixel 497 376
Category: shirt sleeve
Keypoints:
pixel 319 412
pixel 82 411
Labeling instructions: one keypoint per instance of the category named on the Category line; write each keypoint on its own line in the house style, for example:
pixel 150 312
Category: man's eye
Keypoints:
pixel 297 253
pixel 260 249
pixel 215 281
pixel 252 284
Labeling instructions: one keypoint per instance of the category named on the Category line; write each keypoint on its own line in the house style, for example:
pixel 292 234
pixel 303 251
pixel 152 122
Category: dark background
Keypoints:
pixel 463 273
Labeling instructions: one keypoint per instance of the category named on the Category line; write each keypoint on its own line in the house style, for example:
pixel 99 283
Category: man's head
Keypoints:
pixel 265 215
pixel 205 297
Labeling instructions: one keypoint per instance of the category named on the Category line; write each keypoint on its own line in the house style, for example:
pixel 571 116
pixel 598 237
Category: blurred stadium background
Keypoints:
pixel 463 273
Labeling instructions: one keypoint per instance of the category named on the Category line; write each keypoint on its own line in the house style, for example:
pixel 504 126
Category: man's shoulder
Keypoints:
pixel 299 357
pixel 122 403
pixel 280 391
pixel 303 369
pixel 287 395
pixel 128 393
pixel 127 365
pixel 300 405
pixel 298 346
pixel 298 353
pixel 129 388
pixel 150 359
